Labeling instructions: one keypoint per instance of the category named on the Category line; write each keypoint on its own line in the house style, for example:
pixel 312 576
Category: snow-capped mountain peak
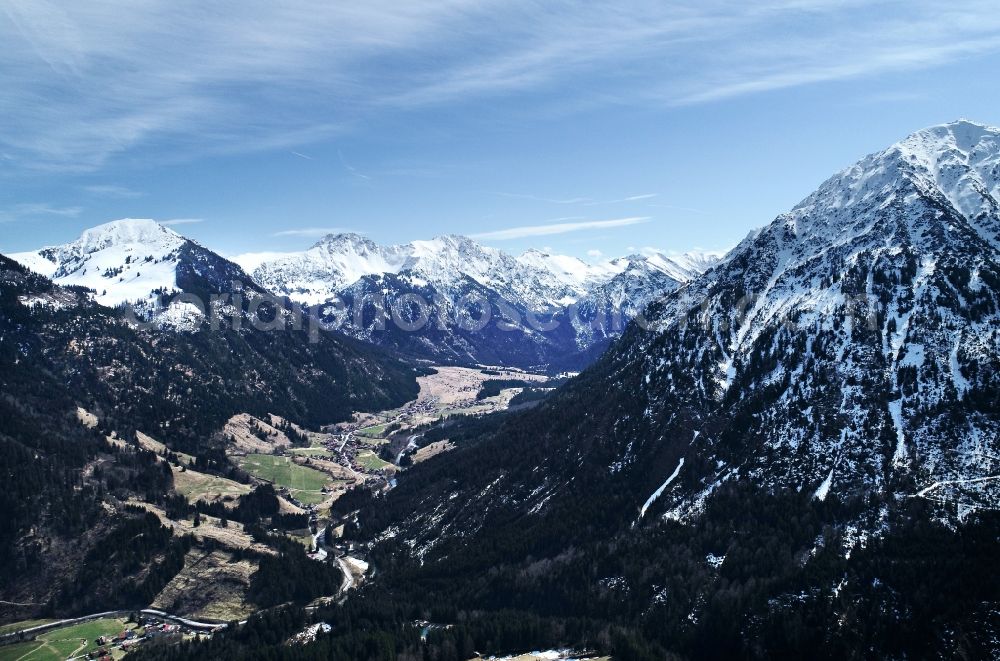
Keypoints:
pixel 346 241
pixel 141 231
pixel 123 260
pixel 572 271
pixel 129 260
pixel 135 260
pixel 876 297
pixel 955 164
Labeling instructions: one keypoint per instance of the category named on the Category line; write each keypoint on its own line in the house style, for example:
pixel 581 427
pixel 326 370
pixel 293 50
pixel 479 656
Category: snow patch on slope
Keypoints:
pixel 663 487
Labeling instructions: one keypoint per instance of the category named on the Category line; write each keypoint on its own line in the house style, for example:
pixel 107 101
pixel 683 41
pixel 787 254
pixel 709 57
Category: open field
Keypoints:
pixel 375 431
pixel 311 452
pixel 305 483
pixel 197 486
pixel 452 385
pixel 370 461
pixel 543 656
pixel 149 443
pixel 249 434
pixel 60 644
pixel 334 470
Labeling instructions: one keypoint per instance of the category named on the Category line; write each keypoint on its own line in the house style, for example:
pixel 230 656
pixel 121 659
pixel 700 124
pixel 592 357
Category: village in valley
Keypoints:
pixel 309 470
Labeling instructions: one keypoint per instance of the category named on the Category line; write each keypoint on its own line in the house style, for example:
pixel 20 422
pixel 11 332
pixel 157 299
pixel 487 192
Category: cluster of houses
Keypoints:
pixel 345 448
pixel 124 640
pixel 130 638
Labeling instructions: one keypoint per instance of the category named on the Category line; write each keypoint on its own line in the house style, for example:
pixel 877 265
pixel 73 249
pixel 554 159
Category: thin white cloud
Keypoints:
pixel 595 253
pixel 582 201
pixel 311 231
pixel 182 221
pixel 550 200
pixel 179 73
pixel 526 231
pixel 630 198
pixel 28 210
pixel 353 171
pixel 678 208
pixel 301 155
pixel 43 209
pixel 113 191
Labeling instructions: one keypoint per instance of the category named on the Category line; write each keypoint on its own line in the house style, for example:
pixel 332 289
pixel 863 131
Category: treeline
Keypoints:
pixel 291 575
pixel 133 561
pixel 529 396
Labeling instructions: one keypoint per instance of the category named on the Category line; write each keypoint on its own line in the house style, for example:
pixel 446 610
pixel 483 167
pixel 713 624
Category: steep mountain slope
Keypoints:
pixel 794 456
pixel 605 310
pixel 573 272
pixel 59 350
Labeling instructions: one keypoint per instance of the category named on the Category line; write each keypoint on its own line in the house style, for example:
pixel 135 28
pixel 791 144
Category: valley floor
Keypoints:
pixel 309 470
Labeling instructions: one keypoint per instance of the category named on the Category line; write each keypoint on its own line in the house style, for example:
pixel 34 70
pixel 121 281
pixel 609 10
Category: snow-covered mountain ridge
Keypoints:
pixel 580 297
pixel 122 260
pixel 535 279
pixel 111 258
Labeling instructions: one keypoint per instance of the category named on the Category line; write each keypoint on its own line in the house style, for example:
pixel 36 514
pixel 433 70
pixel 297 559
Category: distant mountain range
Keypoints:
pixel 554 311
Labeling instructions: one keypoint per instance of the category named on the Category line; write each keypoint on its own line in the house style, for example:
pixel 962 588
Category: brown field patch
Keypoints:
pixel 233 535
pixel 212 585
pixel 197 486
pixel 432 450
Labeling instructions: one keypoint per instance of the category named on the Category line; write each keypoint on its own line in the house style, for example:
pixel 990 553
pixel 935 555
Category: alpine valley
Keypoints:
pixel 794 452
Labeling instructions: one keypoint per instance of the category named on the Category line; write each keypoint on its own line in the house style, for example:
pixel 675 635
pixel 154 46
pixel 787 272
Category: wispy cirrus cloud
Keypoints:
pixel 549 200
pixel 82 82
pixel 526 231
pixel 112 191
pixel 630 198
pixel 170 222
pixel 30 210
pixel 44 209
pixel 582 201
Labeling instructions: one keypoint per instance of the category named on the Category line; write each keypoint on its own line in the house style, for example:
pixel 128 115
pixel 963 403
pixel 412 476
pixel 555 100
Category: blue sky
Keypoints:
pixel 572 126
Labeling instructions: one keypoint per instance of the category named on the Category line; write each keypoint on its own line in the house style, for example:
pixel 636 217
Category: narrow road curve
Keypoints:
pixel 348 577
pixel 410 444
pixel 59 624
